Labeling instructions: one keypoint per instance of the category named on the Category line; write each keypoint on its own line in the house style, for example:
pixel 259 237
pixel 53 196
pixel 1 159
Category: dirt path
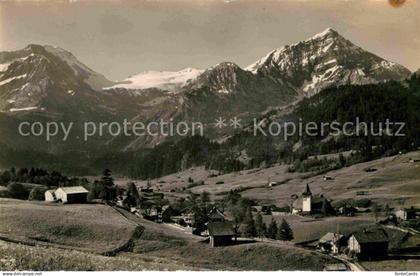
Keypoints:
pixel 354 266
pixel 405 230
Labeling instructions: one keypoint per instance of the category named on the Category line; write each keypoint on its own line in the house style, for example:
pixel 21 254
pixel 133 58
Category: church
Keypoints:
pixel 309 204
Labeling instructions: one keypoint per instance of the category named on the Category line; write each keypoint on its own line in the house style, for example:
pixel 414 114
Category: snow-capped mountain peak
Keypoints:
pixel 323 34
pixel 35 73
pixel 326 59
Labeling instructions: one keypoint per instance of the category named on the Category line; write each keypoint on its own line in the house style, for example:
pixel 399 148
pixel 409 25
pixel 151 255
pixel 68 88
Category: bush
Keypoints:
pixel 17 190
pixel 37 193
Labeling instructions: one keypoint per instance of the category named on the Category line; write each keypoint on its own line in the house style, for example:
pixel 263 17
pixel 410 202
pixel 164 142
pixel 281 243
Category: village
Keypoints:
pixel 221 228
pixel 351 233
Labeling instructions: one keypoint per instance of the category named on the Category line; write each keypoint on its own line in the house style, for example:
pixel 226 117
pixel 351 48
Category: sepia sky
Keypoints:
pixel 120 38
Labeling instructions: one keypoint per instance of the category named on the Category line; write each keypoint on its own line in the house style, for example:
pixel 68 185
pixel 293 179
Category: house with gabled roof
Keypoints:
pixel 369 243
pixel 74 194
pixel 220 233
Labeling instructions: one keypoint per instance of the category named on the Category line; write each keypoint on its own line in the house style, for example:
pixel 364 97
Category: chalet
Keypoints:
pixel 331 243
pixel 220 233
pixel 50 196
pixel 307 204
pixel 406 214
pixel 369 243
pixel 75 194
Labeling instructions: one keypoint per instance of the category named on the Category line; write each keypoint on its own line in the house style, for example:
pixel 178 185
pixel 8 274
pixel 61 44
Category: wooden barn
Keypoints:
pixel 76 194
pixel 369 244
pixel 220 233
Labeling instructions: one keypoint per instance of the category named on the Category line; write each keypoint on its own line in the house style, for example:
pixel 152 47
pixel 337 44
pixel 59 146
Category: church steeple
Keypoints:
pixel 307 191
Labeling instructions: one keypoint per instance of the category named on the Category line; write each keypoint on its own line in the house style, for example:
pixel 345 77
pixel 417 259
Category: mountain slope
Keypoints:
pixel 43 77
pixel 326 59
pixel 45 83
pixel 228 91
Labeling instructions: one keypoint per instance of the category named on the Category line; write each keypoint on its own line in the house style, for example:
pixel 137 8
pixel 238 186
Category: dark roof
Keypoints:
pixel 371 235
pixel 222 228
pixel 307 190
pixel 331 237
pixel 216 214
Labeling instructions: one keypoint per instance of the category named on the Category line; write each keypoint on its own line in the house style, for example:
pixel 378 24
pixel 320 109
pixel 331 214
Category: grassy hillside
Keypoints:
pixel 253 256
pixel 395 182
pixel 89 227
pixel 22 257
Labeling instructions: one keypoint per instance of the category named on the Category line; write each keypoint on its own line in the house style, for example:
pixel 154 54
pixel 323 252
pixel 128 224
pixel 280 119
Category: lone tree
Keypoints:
pixel 285 233
pixel 260 226
pixel 5 178
pixel 326 208
pixel 249 229
pixel 109 191
pixel 133 195
pixel 205 197
pixel 107 179
pixel 376 211
pixel 272 229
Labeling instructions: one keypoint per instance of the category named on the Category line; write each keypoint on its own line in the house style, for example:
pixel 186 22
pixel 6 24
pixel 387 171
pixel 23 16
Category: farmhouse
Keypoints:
pixel 369 244
pixel 307 204
pixel 76 194
pixel 220 233
pixel 331 243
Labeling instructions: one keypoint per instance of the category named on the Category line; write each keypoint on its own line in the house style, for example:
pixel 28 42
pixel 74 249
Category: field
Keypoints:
pixel 252 256
pixel 34 258
pixel 72 237
pixel 308 229
pixel 164 241
pixel 88 227
pixel 395 182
